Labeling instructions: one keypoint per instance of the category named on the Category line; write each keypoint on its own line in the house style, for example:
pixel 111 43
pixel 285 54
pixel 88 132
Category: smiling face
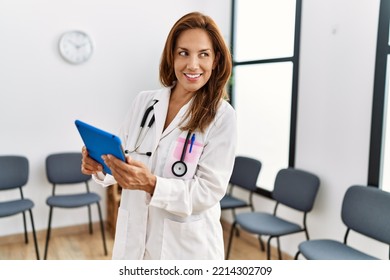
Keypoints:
pixel 194 60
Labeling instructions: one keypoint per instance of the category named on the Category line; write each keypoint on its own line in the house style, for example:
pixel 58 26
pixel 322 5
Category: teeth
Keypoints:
pixel 193 76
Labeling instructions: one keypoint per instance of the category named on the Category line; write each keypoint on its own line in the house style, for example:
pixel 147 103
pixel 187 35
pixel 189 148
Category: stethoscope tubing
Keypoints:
pixel 184 151
pixel 143 131
pixel 179 168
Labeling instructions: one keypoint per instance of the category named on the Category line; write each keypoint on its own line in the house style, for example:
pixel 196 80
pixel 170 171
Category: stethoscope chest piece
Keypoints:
pixel 179 168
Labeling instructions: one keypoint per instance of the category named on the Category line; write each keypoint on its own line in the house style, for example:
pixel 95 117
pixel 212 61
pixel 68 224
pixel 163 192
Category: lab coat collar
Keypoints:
pixel 161 110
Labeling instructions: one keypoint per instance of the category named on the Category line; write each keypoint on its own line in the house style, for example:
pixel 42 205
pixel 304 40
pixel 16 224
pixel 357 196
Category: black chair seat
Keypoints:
pixel 73 200
pixel 229 202
pixel 266 224
pixel 326 249
pixel 14 207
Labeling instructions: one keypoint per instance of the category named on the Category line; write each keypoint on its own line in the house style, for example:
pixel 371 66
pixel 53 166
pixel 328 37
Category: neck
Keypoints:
pixel 180 97
pixel 177 100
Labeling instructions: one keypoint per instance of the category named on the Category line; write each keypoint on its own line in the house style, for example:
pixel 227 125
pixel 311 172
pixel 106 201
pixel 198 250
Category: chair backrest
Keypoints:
pixel 296 188
pixel 65 168
pixel 245 173
pixel 13 172
pixel 366 210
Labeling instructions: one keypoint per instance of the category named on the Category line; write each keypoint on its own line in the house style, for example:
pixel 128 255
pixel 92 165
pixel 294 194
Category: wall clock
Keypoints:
pixel 75 46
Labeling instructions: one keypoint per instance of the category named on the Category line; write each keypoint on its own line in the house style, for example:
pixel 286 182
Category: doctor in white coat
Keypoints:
pixel 180 143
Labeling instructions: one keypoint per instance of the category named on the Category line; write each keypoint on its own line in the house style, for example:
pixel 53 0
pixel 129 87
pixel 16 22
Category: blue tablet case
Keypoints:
pixel 99 142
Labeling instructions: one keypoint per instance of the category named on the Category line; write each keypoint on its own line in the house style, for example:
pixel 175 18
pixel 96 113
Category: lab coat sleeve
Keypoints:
pixel 104 180
pixel 206 189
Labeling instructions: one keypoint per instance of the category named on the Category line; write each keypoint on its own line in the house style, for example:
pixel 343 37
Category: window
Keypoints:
pixel 265 47
pixel 379 161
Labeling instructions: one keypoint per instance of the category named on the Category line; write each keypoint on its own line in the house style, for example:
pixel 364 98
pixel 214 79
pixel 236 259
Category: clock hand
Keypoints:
pixel 77 45
pixel 81 45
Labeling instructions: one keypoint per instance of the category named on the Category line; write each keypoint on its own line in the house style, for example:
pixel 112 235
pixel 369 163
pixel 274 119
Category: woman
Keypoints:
pixel 180 161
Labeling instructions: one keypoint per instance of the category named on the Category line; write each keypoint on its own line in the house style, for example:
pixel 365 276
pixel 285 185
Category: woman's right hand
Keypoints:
pixel 88 165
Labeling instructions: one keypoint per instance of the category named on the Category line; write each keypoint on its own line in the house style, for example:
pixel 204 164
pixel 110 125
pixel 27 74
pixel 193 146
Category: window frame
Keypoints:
pixel 379 95
pixel 295 75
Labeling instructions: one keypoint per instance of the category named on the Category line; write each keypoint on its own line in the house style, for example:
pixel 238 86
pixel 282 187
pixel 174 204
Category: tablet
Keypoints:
pixel 99 142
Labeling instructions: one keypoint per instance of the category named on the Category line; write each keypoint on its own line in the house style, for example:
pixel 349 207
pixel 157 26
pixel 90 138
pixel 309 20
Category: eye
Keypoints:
pixel 204 54
pixel 183 53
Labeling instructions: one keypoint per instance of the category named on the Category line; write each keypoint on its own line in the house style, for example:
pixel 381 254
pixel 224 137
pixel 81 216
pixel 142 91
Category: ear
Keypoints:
pixel 216 60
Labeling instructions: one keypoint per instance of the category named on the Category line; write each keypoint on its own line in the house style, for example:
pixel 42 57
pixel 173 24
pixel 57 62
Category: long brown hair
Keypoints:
pixel 207 99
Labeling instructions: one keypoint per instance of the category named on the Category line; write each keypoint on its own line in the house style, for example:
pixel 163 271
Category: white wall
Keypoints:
pixel 42 95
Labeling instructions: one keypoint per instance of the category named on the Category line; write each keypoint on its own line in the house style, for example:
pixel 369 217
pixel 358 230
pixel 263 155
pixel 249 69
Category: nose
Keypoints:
pixel 193 63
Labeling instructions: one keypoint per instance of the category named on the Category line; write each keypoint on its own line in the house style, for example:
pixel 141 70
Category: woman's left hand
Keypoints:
pixel 132 174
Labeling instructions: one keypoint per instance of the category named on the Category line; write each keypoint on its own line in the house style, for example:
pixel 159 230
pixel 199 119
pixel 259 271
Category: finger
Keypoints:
pixel 134 163
pixel 84 151
pixel 116 166
pixel 121 171
pixel 90 166
pixel 122 181
pixel 120 176
pixel 87 171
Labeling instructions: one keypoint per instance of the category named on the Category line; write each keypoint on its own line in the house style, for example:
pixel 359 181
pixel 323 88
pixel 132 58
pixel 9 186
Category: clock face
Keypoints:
pixel 75 47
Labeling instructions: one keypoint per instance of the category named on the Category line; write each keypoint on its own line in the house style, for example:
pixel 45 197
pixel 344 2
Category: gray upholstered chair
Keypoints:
pixel 365 210
pixel 14 171
pixel 245 173
pixel 65 169
pixel 244 176
pixel 293 188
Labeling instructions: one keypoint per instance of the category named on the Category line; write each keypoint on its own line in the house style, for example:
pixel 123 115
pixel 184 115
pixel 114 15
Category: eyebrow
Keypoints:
pixel 203 50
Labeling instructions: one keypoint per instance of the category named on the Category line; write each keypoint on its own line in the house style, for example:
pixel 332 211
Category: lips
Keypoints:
pixel 192 76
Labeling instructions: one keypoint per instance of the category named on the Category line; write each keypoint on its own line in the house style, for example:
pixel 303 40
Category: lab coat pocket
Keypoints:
pixel 184 240
pixel 191 157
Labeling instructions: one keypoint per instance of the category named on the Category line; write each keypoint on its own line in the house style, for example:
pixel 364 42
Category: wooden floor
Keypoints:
pixel 77 244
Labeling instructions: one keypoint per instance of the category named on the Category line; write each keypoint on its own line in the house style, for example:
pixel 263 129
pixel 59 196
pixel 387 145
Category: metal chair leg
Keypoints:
pixel 279 252
pixel 269 248
pixel 25 228
pixel 90 219
pixel 297 255
pixel 48 233
pixel 262 247
pixel 34 234
pixel 234 218
pixel 230 240
pixel 102 229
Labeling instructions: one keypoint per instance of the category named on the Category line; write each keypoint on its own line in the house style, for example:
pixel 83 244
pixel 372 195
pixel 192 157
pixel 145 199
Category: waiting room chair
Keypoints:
pixel 365 210
pixel 294 188
pixel 64 169
pixel 14 171
pixel 244 176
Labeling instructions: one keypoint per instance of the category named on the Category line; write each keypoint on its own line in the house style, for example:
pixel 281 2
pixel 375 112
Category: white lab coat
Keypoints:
pixel 182 218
